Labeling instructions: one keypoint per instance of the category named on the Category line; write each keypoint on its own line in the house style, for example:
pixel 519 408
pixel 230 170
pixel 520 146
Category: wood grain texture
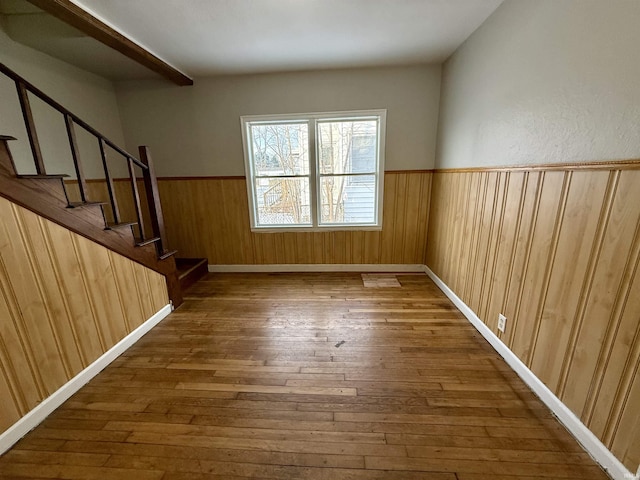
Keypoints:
pixel 64 301
pixel 556 251
pixel 305 376
pixel 210 218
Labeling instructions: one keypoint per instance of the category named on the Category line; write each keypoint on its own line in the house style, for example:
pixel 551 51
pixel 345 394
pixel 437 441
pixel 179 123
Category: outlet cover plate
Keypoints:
pixel 502 322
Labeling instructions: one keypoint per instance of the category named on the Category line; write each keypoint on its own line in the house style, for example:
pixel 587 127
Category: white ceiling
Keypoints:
pixel 209 37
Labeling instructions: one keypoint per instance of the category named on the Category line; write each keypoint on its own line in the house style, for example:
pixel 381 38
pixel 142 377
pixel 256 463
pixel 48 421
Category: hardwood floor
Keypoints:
pixel 305 376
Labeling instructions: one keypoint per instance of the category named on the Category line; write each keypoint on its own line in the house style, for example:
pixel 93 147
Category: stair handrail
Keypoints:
pixel 47 99
pixel 23 88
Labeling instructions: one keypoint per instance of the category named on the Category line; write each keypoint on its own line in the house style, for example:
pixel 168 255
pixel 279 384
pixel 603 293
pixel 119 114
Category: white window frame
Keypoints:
pixel 312 119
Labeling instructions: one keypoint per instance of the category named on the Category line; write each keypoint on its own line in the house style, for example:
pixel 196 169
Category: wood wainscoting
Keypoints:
pixel 64 301
pixel 557 251
pixel 209 217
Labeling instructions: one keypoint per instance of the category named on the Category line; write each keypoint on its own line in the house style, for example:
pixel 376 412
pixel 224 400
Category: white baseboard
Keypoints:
pixel 583 435
pixel 49 404
pixel 318 267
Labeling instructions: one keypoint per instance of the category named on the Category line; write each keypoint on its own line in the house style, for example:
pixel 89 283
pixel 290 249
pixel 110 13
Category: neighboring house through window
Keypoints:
pixel 317 171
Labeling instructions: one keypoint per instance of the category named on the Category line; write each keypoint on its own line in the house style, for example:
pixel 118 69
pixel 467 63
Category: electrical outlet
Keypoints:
pixel 502 322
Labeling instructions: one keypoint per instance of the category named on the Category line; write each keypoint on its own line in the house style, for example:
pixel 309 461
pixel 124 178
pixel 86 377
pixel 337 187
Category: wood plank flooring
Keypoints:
pixel 304 376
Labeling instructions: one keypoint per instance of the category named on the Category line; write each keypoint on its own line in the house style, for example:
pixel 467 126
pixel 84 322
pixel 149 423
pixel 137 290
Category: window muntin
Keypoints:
pixel 315 171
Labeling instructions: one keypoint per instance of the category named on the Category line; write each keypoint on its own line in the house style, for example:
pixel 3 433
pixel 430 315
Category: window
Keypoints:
pixel 315 171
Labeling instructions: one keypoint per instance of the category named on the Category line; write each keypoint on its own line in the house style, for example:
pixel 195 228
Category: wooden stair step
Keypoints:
pixel 167 254
pixel 114 226
pixel 146 241
pixel 190 270
pixel 84 204
pixel 55 176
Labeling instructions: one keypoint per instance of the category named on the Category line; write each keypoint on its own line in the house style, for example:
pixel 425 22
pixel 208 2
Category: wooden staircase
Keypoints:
pixel 100 221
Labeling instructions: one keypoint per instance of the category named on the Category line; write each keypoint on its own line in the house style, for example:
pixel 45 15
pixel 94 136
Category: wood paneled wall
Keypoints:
pixel 64 301
pixel 557 251
pixel 209 217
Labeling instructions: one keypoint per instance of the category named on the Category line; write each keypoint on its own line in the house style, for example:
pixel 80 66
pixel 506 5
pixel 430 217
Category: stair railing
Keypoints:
pixel 23 88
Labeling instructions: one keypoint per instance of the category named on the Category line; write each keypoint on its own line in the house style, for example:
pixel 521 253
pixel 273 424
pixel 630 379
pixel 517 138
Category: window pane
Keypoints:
pixel 280 149
pixel 347 147
pixel 282 201
pixel 348 199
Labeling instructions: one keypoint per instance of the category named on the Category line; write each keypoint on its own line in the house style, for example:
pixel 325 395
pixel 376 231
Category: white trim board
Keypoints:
pixel 318 267
pixel 583 435
pixel 49 404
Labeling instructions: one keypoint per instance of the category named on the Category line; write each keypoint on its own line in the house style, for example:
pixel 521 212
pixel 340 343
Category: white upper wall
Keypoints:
pixel 90 97
pixel 544 81
pixel 195 131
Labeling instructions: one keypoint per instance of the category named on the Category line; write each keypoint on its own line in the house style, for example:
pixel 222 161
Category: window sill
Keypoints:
pixel 337 228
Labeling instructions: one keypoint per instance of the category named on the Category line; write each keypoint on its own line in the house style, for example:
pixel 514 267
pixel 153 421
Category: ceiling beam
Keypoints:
pixel 75 16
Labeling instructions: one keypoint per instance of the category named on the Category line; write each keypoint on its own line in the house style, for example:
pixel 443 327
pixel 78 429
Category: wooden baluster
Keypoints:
pixel 153 198
pixel 136 197
pixel 109 179
pixel 30 124
pixel 75 154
